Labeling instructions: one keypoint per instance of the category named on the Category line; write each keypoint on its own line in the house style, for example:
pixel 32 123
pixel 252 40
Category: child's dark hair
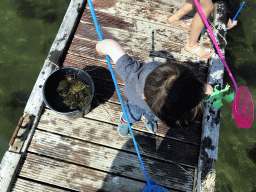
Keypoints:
pixel 174 93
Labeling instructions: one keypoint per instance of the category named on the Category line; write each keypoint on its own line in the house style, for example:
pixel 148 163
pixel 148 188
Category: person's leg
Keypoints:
pixel 150 120
pixel 133 112
pixel 184 10
pixel 134 115
pixel 148 115
pixel 197 26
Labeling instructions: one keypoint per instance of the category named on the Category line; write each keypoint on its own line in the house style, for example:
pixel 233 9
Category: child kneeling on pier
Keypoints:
pixel 168 91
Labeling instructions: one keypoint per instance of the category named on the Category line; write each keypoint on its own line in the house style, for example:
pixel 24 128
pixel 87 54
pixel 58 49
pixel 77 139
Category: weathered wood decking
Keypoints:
pixel 87 154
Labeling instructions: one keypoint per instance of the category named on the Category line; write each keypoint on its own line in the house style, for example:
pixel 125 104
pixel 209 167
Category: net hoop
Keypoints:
pixel 243 108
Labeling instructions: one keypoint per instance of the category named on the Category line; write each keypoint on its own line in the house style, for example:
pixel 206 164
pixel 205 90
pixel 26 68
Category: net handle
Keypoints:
pixel 214 41
pixel 117 89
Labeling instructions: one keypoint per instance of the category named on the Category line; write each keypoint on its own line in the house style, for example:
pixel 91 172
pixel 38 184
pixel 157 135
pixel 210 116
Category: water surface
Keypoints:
pixel 236 163
pixel 27 31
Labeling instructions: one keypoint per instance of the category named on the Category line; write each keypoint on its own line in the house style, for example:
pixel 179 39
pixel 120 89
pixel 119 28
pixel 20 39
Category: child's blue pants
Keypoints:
pixel 134 113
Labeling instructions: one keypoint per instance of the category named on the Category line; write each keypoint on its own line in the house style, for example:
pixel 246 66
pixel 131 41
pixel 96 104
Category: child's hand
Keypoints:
pixel 101 47
pixel 231 25
pixel 111 48
pixel 208 89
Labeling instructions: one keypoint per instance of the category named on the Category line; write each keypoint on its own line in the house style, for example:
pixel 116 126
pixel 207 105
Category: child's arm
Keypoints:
pixel 111 48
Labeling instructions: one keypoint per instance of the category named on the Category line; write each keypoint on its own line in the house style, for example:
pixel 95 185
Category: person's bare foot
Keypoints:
pixel 172 19
pixel 199 51
pixel 183 24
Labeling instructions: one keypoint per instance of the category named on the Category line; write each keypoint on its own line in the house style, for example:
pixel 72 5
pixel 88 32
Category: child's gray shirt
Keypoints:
pixel 134 74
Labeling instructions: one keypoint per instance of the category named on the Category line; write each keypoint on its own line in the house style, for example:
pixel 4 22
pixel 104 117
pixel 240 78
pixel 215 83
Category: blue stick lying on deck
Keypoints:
pixel 151 186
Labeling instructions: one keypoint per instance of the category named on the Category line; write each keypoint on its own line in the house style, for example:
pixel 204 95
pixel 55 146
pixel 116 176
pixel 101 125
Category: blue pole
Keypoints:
pixel 117 89
pixel 237 12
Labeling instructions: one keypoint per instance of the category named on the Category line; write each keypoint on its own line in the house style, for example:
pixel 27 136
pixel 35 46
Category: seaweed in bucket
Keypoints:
pixel 76 93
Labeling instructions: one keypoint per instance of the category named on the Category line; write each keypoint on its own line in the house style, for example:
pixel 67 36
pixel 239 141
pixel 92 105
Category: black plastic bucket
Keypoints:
pixel 55 102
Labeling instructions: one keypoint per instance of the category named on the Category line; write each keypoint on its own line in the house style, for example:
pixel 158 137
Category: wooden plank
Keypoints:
pixel 23 185
pixel 166 148
pixel 134 47
pixel 158 3
pixel 105 91
pixel 64 35
pixel 138 47
pixel 211 123
pixel 164 39
pixel 111 160
pixel 168 6
pixel 113 26
pixel 211 120
pixel 145 11
pixel 163 32
pixel 190 134
pixel 95 68
pixel 110 113
pixel 7 169
pixel 75 177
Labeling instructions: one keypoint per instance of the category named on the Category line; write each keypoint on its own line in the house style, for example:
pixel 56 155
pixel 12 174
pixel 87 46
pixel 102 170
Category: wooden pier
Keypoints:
pixel 52 152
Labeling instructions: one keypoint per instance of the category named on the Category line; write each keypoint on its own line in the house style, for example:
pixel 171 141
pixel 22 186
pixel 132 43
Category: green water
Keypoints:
pixel 236 163
pixel 27 30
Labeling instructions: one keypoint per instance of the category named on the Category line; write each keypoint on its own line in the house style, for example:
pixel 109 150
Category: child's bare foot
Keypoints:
pixel 177 22
pixel 172 19
pixel 199 51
